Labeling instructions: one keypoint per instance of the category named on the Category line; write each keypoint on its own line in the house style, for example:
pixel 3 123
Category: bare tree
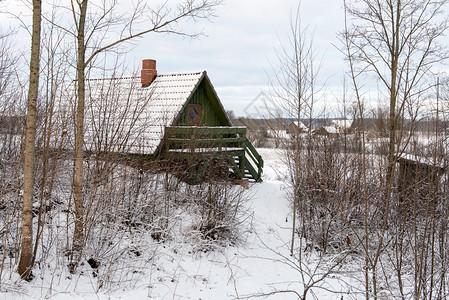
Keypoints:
pixel 7 62
pixel 51 132
pixel 397 42
pixel 294 84
pixel 91 21
pixel 26 254
pixel 11 127
pixel 316 169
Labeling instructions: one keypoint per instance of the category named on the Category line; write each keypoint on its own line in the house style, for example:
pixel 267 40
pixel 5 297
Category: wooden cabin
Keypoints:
pixel 177 115
pixel 328 131
pixel 343 126
pixel 297 128
pixel 418 179
pixel 413 170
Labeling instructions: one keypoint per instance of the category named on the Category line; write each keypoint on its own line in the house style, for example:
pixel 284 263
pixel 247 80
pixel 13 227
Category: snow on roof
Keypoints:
pixel 330 129
pixel 300 125
pixel 423 160
pixel 342 124
pixel 123 116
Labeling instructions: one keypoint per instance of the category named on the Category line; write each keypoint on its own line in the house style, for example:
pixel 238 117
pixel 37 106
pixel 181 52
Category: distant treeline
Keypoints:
pixel 377 124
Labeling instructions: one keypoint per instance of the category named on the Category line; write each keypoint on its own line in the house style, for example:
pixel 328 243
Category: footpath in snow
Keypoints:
pixel 250 268
pixel 253 267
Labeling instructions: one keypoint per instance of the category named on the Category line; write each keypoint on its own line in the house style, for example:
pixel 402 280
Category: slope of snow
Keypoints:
pixel 258 264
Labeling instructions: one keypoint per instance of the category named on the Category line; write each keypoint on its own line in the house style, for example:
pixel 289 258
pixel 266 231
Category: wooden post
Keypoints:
pixel 242 162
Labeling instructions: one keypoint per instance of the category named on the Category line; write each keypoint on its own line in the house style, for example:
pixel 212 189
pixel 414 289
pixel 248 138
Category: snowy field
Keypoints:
pixel 259 266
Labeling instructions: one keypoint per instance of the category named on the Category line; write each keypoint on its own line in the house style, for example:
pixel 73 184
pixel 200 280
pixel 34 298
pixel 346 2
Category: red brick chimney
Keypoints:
pixel 148 72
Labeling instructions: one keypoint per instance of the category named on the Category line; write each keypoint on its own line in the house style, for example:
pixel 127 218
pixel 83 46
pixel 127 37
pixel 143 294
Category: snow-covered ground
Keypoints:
pixel 258 264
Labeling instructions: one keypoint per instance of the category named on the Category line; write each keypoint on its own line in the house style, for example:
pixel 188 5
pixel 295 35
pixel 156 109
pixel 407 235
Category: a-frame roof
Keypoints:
pixel 134 117
pixel 300 125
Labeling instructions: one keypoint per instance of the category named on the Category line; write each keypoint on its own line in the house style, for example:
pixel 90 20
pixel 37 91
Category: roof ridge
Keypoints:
pixel 138 77
pixel 182 73
pixel 111 78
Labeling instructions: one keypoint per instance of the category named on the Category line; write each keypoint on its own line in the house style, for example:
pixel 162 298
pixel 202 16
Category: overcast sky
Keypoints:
pixel 240 44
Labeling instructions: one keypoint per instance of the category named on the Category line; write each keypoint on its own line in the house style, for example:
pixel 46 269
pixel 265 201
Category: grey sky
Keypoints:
pixel 240 44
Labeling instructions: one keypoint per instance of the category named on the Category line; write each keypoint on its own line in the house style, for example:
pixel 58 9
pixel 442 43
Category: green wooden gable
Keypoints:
pixel 210 109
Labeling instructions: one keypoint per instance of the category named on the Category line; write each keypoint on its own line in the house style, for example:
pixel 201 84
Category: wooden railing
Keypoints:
pixel 203 138
pixel 231 141
pixel 253 157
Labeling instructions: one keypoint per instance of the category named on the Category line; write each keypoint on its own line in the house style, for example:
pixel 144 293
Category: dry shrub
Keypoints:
pixel 221 207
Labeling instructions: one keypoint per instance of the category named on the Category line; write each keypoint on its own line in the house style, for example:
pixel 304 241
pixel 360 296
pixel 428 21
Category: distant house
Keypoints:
pixel 165 115
pixel 342 126
pixel 296 127
pixel 329 131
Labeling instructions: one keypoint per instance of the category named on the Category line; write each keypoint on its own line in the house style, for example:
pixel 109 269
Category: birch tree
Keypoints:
pixel 26 253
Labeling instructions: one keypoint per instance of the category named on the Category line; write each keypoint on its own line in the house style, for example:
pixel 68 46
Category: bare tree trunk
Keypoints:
pixel 78 238
pixel 26 254
pixel 391 144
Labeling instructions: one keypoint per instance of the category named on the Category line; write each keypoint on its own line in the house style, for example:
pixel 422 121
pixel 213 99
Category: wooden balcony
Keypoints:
pixel 231 142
